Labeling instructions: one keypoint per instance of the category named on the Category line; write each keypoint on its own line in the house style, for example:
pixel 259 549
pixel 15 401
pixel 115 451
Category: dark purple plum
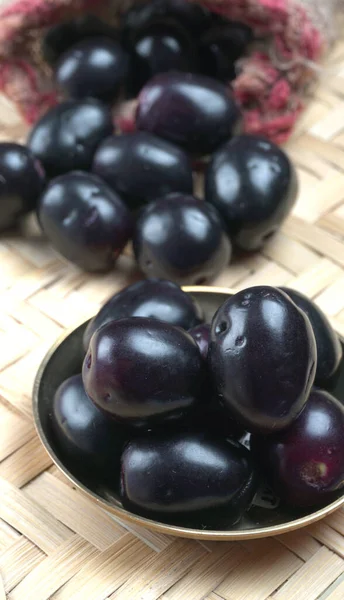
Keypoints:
pixel 151 298
pixel 305 463
pixel 329 348
pixel 141 167
pixel 85 220
pixel 190 479
pixel 93 68
pixel 63 36
pixel 21 183
pixel 193 111
pixel 159 49
pixel 253 184
pixel 83 432
pixel 222 45
pixel 143 372
pixel 179 238
pixel 188 15
pixel 68 135
pixel 201 335
pixel 262 357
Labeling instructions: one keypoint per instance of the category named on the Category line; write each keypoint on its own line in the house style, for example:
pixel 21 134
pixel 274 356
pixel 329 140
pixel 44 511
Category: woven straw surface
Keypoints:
pixel 55 543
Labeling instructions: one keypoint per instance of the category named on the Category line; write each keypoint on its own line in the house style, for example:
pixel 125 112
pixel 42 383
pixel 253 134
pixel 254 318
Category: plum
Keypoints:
pixel 141 167
pixel 190 479
pixel 222 45
pixel 179 238
pixel 153 298
pixel 193 18
pixel 193 111
pixel 63 36
pixel 159 49
pixel 253 184
pixel 68 135
pixel 85 220
pixel 201 335
pixel 93 68
pixel 21 183
pixel 329 348
pixel 305 463
pixel 262 358
pixel 82 431
pixel 143 372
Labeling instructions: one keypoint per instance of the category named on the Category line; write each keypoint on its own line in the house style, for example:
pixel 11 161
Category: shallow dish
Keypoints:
pixel 65 359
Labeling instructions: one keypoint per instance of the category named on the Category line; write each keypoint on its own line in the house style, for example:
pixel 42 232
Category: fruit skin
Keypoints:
pixel 262 357
pixel 152 298
pixel 329 348
pixel 141 167
pixel 85 220
pixel 160 48
pixel 190 479
pixel 305 463
pixel 193 111
pixel 93 68
pixel 68 135
pixel 63 36
pixel 143 372
pixel 83 432
pixel 221 46
pixel 211 417
pixel 21 183
pixel 253 184
pixel 193 18
pixel 201 335
pixel 193 248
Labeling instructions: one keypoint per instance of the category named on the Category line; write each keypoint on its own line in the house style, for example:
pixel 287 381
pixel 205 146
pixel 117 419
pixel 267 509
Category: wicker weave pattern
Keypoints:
pixel 55 543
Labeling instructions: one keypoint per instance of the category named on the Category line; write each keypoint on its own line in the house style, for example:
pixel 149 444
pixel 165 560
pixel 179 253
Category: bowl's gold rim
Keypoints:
pixel 148 523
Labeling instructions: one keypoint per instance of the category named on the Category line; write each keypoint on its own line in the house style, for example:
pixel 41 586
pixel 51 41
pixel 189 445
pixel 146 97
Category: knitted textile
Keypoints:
pixel 272 80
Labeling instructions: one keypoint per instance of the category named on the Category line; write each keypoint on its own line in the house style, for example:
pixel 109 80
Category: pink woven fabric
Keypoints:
pixel 270 96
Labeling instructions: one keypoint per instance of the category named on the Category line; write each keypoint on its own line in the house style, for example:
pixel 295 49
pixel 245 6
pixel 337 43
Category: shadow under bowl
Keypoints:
pixel 65 359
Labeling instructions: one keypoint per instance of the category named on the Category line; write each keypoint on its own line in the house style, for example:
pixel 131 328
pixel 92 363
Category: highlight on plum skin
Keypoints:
pixel 305 463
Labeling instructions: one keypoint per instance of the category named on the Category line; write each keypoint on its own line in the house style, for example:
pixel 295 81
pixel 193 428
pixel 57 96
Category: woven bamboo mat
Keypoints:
pixel 55 543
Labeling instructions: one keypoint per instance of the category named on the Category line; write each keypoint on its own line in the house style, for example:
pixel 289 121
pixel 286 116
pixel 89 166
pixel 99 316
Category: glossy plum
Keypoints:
pixel 85 220
pixel 305 463
pixel 192 17
pixel 83 432
pixel 68 135
pixel 63 36
pixel 262 357
pixel 141 167
pixel 189 479
pixel 93 68
pixel 221 46
pixel 143 371
pixel 201 335
pixel 329 349
pixel 253 184
pixel 151 298
pixel 21 183
pixel 179 238
pixel 193 111
pixel 160 49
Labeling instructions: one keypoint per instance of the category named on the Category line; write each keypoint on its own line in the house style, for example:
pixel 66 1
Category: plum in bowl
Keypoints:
pixel 65 360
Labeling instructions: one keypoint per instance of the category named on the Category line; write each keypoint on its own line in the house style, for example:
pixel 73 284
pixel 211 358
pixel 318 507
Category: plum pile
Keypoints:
pixel 185 420
pixel 95 187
